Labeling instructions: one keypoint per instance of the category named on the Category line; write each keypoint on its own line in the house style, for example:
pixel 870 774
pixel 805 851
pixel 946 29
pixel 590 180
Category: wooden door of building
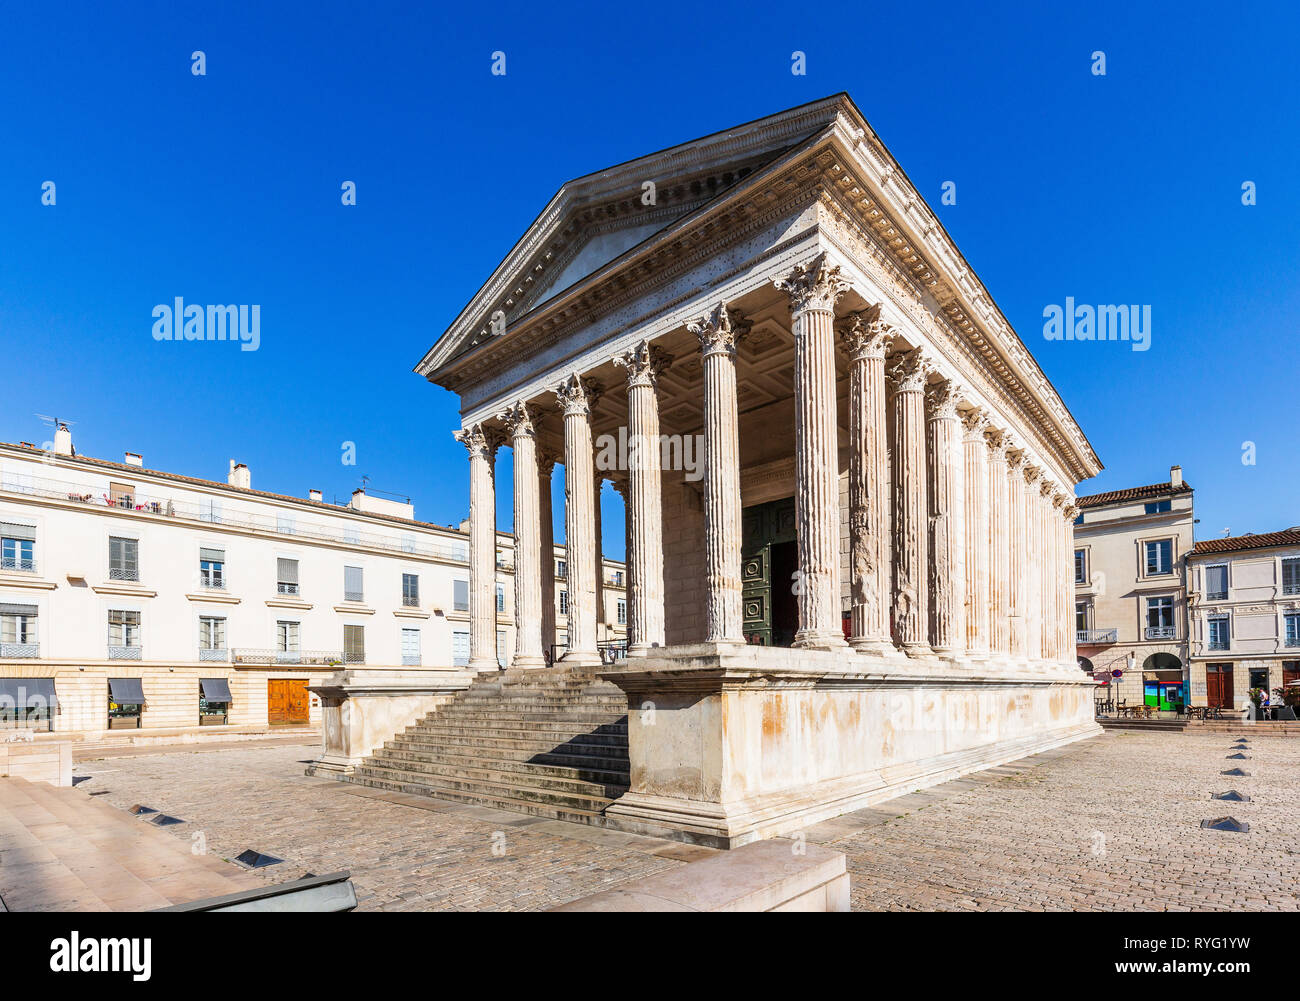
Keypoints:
pixel 286 700
pixel 766 565
pixel 1218 685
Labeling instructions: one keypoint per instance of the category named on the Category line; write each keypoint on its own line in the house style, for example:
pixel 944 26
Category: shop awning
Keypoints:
pixel 126 691
pixel 27 693
pixel 215 689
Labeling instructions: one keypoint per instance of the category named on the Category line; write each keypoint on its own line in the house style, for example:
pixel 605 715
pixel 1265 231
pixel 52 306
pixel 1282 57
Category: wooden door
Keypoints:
pixel 286 700
pixel 1218 685
pixel 763 526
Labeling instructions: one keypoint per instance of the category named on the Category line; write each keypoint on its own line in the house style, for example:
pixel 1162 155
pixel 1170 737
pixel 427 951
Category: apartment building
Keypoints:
pixel 1244 611
pixel 1130 562
pixel 132 598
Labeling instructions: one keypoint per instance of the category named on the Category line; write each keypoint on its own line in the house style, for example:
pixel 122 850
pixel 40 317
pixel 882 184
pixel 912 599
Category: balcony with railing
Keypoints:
pixel 17 650
pixel 184 510
pixel 217 655
pixel 1161 632
pixel 124 652
pixel 357 596
pixel 282 587
pixel 1095 637
pixel 17 564
pixel 305 658
pixel 410 601
pixel 124 573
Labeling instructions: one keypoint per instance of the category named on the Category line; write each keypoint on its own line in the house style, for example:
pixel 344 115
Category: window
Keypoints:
pixel 1081 616
pixel 212 568
pixel 286 576
pixel 1290 672
pixel 1080 566
pixel 1259 678
pixel 1158 507
pixel 123 635
pixel 1293 629
pixel 1160 618
pixel 351 536
pixel 18 631
pixel 284 523
pixel 209 509
pixel 501 648
pixel 501 600
pixel 1291 575
pixel 122 495
pixel 411 647
pixel 27 703
pixel 408 543
pixel 1160 557
pixel 618 578
pixel 214 701
pixel 622 611
pixel 17 547
pixel 564 602
pixel 1216 583
pixel 212 638
pixel 354 644
pixel 561 569
pixel 459 648
pixel 353 584
pixel 125 702
pixel 123 558
pixel 1219 632
pixel 411 590
pixel 287 648
pixel 460 595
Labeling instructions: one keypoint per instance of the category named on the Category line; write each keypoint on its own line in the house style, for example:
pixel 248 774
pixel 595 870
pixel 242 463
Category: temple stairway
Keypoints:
pixel 552 743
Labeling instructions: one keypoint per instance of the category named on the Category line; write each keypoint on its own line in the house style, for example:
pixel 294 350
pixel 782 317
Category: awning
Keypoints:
pixel 126 691
pixel 215 689
pixel 27 693
pixel 10 530
pixel 7 608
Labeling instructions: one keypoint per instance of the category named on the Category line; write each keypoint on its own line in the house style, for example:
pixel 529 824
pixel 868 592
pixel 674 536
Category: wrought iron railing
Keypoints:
pixel 410 661
pixel 282 587
pixel 20 650
pixel 1217 645
pixel 1095 637
pixel 17 563
pixel 221 655
pixel 124 652
pixel 1161 632
pixel 308 658
pixel 410 601
pixel 123 573
pixel 213 583
pixel 354 596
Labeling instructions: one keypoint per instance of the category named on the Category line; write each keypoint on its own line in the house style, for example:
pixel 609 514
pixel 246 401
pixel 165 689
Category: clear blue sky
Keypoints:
pixel 226 188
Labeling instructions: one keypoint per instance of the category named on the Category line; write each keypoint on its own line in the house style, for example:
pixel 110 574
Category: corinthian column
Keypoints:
pixel 1069 650
pixel 576 396
pixel 645 555
pixel 528 567
pixel 546 547
pixel 999 543
pixel 814 288
pixel 976 455
pixel 864 336
pixel 946 491
pixel 1017 557
pixel 908 372
pixel 1035 614
pixel 1046 573
pixel 598 483
pixel 482 443
pixel 718 334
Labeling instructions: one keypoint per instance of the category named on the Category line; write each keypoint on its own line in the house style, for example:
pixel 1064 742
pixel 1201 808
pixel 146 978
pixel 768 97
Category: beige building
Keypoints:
pixel 1130 607
pixel 866 588
pixel 1244 609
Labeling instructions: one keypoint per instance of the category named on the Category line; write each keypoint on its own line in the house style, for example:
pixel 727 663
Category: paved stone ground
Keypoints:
pixel 1107 824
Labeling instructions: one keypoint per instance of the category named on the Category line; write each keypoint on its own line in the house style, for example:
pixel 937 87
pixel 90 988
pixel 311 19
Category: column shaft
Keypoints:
pixel 1035 611
pixel 999 545
pixel 1017 553
pixel 976 454
pixel 576 397
pixel 528 564
pixel 947 505
pixel 908 487
pixel 482 443
pixel 546 549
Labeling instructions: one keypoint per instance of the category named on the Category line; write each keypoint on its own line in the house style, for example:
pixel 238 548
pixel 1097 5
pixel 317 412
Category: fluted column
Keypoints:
pixel 947 506
pixel 864 336
pixel 1062 646
pixel 1035 611
pixel 976 454
pixel 908 372
pixel 813 289
pixel 528 566
pixel 645 556
pixel 576 397
pixel 1069 654
pixel 1017 553
pixel 1046 572
pixel 718 334
pixel 598 484
pixel 482 443
pixel 546 547
pixel 999 544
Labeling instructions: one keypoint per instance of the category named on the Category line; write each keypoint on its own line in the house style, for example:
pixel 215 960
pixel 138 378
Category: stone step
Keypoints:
pixel 485 798
pixel 410 781
pixel 487 717
pixel 602 743
pixel 583 772
pixel 492 772
pixel 539 732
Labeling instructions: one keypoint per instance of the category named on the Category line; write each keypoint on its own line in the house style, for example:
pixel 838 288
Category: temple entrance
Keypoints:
pixel 769 559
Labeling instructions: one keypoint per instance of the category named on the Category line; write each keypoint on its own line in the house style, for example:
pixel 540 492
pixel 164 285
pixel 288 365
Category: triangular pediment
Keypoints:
pixel 596 219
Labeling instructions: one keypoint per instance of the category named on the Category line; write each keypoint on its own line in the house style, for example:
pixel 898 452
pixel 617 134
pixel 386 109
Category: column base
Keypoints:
pixel 482 665
pixel 581 658
pixel 873 647
pixel 817 639
pixel 528 662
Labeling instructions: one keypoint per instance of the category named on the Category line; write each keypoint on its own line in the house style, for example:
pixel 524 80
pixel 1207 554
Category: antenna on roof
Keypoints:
pixel 1227 532
pixel 54 422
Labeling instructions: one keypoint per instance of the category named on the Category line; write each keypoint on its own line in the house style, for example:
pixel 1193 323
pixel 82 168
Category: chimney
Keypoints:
pixel 1175 476
pixel 63 441
pixel 239 475
pixel 134 459
pixel 314 495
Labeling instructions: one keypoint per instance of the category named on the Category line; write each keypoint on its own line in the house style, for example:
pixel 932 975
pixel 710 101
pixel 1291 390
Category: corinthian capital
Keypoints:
pixel 1031 473
pixel 576 395
pixel 520 420
pixel 815 284
pixel 720 330
pixel 997 441
pixel 643 363
pixel 480 440
pixel 908 370
pixel 864 334
pixel 941 398
pixel 974 422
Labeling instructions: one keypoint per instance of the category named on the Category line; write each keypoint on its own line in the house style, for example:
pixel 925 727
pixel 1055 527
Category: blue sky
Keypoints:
pixel 1124 188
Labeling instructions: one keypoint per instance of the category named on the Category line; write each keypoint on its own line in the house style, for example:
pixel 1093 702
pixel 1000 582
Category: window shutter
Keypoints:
pixel 1216 580
pixel 287 570
pixel 1291 576
pixel 354 644
pixel 11 530
pixel 212 555
pixel 352 582
pixel 461 595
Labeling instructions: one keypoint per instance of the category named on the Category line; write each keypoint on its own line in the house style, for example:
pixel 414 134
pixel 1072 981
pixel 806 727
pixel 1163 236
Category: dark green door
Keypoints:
pixel 766 562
